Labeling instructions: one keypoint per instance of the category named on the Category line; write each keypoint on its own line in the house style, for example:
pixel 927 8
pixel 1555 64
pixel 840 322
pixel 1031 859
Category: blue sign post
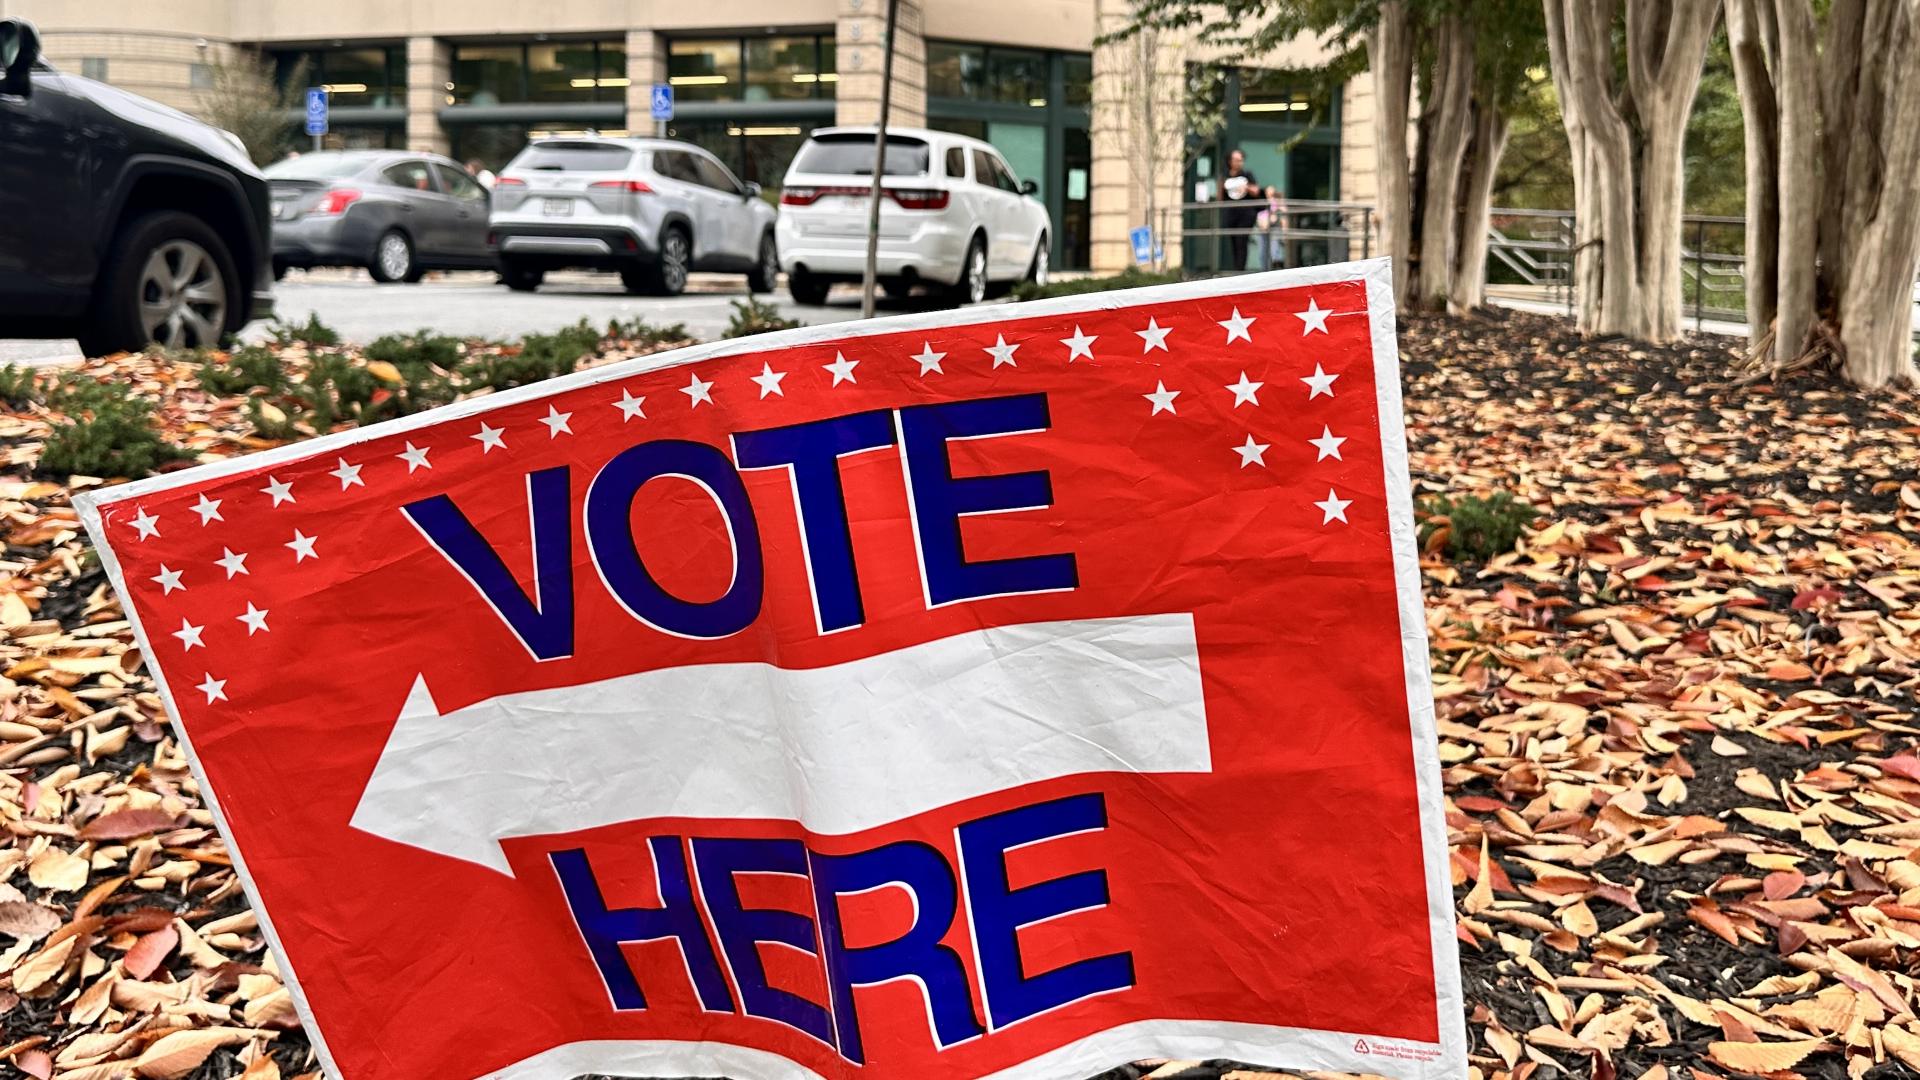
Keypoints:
pixel 1143 250
pixel 316 113
pixel 662 103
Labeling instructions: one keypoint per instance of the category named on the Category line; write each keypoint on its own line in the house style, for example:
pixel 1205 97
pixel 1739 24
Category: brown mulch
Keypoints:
pixel 1676 720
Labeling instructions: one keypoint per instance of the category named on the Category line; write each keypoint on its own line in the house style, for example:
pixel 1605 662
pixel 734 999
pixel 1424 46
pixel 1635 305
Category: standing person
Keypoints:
pixel 481 173
pixel 1243 192
pixel 1273 230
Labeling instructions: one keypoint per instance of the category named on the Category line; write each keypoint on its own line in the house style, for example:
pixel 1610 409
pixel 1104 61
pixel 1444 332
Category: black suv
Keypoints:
pixel 122 221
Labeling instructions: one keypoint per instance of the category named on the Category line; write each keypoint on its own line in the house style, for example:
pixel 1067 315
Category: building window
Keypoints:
pixel 372 76
pixel 94 67
pixel 548 71
pixel 988 73
pixel 786 68
pixel 1284 96
pixel 200 76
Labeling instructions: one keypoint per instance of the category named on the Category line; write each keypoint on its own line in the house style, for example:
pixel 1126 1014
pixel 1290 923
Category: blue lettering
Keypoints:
pixel 604 930
pixel 544 624
pixel 740 930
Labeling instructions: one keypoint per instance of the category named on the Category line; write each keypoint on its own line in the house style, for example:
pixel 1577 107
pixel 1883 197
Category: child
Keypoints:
pixel 1272 224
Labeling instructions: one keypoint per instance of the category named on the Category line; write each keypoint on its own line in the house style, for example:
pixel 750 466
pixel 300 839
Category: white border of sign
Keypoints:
pixel 1292 1048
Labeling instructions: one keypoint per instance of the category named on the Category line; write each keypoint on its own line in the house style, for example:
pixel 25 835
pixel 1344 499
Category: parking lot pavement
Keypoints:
pixel 474 305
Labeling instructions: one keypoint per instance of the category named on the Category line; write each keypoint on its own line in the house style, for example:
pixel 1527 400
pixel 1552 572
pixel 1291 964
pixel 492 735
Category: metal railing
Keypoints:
pixel 1529 252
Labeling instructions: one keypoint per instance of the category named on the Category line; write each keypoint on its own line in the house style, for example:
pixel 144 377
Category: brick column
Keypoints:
pixel 1359 171
pixel 429 69
pixel 860 37
pixel 1124 82
pixel 646 65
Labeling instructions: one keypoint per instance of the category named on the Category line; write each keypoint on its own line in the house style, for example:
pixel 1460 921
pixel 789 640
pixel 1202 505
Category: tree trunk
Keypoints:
pixel 1468 289
pixel 1628 201
pixel 1390 58
pixel 1751 36
pixel 1444 147
pixel 1797 104
pixel 1876 306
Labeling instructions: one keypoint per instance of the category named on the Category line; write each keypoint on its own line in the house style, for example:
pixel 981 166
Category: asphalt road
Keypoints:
pixel 473 305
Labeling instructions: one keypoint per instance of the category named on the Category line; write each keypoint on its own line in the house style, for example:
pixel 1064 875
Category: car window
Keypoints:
pixel 982 168
pixel 956 163
pixel 851 154
pixel 458 184
pixel 325 165
pixel 675 165
pixel 713 175
pixel 408 174
pixel 1003 176
pixel 572 157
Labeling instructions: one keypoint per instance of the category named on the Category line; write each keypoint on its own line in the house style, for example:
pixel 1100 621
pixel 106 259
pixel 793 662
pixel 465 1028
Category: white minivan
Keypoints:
pixel 952 215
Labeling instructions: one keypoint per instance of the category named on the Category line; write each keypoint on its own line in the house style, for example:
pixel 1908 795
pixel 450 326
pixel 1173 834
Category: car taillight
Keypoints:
pixel 799 196
pixel 337 201
pixel 637 187
pixel 508 181
pixel 919 198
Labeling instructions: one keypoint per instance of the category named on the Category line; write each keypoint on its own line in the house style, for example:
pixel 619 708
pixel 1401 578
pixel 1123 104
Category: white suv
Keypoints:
pixel 951 215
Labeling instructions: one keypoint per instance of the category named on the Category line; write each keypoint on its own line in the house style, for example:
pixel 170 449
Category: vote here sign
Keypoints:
pixel 1010 692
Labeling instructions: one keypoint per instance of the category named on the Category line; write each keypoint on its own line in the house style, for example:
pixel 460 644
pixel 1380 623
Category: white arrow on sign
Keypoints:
pixel 839 749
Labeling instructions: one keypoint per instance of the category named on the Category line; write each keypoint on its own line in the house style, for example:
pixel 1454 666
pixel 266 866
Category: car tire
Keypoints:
pixel 808 289
pixel 639 280
pixel 168 280
pixel 972 286
pixel 279 271
pixel 1037 269
pixel 520 278
pixel 766 271
pixel 897 288
pixel 668 274
pixel 393 259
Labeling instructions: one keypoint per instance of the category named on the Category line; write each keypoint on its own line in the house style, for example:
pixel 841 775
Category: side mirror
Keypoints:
pixel 753 190
pixel 19 48
pixel 1029 187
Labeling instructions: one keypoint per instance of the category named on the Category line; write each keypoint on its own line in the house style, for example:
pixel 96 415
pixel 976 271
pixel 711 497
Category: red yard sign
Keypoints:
pixel 1008 692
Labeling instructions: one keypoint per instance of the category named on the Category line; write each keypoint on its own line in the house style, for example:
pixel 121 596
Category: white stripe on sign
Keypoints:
pixel 839 749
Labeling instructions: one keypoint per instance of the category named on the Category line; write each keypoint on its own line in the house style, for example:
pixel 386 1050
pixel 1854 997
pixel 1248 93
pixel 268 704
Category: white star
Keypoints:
pixel 1319 382
pixel 208 509
pixel 349 474
pixel 1153 337
pixel 929 360
pixel 556 422
pixel 1080 344
pixel 234 563
pixel 769 380
pixel 1328 444
pixel 1236 327
pixel 255 618
pixel 631 406
pixel 148 524
pixel 415 458
pixel 282 491
pixel 842 369
pixel 168 580
pixel 189 635
pixel 1252 453
pixel 490 437
pixel 698 391
pixel 302 546
pixel 1314 318
pixel 1335 508
pixel 1245 390
pixel 1162 399
pixel 215 689
pixel 1002 352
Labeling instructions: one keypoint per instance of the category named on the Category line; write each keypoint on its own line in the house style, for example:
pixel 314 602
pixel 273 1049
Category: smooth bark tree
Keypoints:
pixel 1830 96
pixel 1390 62
pixel 1627 142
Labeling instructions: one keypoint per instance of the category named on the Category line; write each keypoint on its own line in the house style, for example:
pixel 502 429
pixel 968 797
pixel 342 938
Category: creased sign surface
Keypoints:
pixel 1010 692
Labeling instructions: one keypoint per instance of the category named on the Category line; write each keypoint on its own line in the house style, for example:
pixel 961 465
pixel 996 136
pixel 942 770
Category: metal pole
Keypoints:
pixel 872 277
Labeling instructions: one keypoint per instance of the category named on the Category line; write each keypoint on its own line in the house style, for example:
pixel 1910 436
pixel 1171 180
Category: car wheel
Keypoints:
pixel 393 258
pixel 638 280
pixel 807 289
pixel 767 271
pixel 1037 269
pixel 169 281
pixel 675 253
pixel 521 278
pixel 972 286
pixel 279 271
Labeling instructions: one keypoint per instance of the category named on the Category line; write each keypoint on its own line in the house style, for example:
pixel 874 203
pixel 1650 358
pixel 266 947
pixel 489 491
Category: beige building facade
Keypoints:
pixel 1116 135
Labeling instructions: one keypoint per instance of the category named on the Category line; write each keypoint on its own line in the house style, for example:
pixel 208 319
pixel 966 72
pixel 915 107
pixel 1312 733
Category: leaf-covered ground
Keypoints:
pixel 1677 722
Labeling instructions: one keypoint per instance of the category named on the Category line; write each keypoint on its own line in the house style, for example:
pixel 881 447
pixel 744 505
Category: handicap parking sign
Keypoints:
pixel 1142 238
pixel 316 110
pixel 662 101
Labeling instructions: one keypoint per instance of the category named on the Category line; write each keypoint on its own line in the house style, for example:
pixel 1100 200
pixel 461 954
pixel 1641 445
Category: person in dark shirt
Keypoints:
pixel 1245 200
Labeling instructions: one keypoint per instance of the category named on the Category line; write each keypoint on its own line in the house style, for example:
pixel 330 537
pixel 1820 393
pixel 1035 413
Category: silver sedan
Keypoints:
pixel 397 213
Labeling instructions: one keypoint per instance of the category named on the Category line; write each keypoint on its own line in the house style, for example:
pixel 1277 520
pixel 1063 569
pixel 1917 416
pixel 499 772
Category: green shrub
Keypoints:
pixel 19 386
pixel 420 349
pixel 540 357
pixel 108 433
pixel 1131 278
pixel 424 363
pixel 337 389
pixel 245 369
pixel 751 316
pixel 270 421
pixel 1477 528
pixel 313 333
pixel 642 332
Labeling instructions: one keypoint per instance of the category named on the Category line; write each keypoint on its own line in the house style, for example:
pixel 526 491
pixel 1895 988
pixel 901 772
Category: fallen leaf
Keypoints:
pixel 22 919
pixel 178 1053
pixel 127 824
pixel 57 871
pixel 150 952
pixel 1763 1057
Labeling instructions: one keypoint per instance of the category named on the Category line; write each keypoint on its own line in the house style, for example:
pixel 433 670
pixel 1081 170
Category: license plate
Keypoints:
pixel 557 207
